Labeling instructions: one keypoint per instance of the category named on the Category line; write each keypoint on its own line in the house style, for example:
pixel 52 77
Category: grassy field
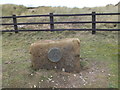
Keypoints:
pixel 22 10
pixel 98 53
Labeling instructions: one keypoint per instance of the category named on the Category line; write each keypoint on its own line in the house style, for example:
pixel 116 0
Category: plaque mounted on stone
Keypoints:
pixel 56 54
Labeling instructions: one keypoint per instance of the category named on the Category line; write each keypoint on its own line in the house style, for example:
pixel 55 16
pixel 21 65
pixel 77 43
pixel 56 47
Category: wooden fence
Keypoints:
pixel 52 22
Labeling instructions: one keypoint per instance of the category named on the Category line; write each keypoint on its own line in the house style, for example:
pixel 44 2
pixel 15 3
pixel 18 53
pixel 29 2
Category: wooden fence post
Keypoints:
pixel 15 22
pixel 93 23
pixel 51 21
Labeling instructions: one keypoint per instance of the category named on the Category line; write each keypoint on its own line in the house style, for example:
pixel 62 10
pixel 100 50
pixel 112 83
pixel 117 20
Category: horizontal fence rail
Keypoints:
pixel 52 22
pixel 56 23
pixel 62 30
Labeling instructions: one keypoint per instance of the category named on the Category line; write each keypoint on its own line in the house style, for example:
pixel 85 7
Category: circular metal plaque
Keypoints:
pixel 54 54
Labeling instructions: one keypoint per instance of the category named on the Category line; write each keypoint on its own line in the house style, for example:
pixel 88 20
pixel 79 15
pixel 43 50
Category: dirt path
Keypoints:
pixel 97 75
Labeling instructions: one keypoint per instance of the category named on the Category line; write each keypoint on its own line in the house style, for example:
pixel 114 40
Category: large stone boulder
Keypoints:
pixel 61 54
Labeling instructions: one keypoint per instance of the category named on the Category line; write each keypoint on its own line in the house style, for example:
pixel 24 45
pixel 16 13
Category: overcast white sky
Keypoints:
pixel 68 3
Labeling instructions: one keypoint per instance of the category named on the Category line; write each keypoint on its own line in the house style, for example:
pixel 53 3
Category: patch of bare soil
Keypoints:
pixel 95 76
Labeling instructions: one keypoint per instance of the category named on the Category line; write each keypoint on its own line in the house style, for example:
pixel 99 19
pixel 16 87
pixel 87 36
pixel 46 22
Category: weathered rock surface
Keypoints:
pixel 69 61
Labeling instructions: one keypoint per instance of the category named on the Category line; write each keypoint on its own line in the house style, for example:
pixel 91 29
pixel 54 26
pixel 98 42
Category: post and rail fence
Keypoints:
pixel 52 23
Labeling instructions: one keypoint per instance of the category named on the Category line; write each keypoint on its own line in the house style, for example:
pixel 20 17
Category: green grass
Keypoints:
pixel 22 10
pixel 102 46
pixel 13 9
